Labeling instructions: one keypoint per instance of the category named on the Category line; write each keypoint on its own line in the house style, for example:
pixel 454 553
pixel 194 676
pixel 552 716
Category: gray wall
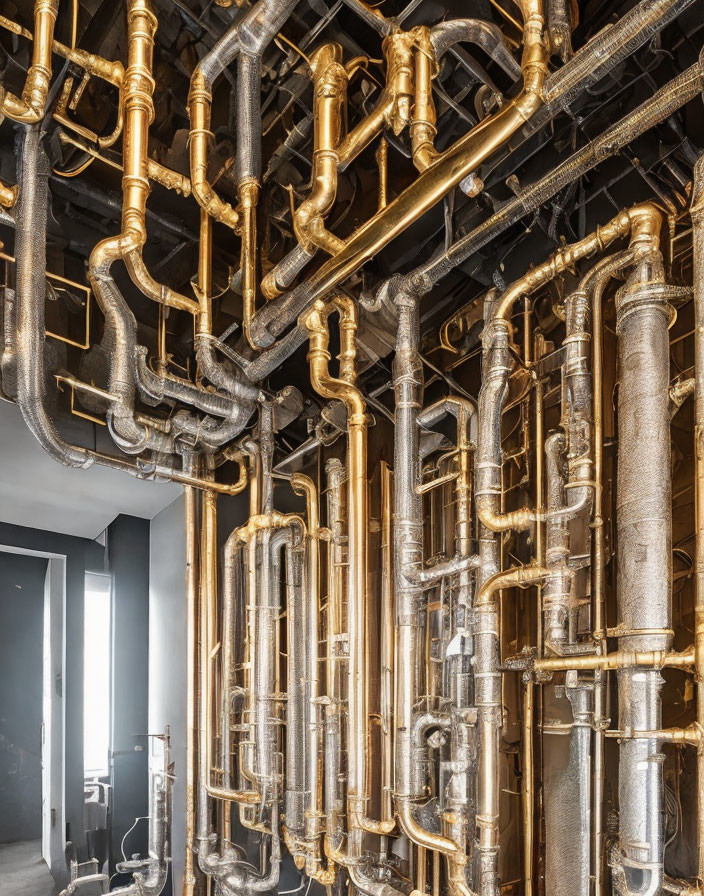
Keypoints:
pixel 81 555
pixel 128 559
pixel 167 657
pixel 21 633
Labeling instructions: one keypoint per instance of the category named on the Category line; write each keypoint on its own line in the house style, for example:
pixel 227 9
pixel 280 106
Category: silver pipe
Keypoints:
pixel 644 538
pixel 296 728
pixel 557 591
pixel 334 796
pixel 30 249
pixel 483 34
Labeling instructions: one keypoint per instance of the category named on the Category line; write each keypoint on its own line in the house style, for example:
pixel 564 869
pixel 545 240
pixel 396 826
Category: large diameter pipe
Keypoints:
pixel 644 571
pixel 30 249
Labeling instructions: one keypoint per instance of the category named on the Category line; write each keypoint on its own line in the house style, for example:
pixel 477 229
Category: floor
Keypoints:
pixel 23 871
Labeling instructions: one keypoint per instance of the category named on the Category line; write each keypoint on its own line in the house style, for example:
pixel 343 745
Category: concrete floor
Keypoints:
pixel 23 871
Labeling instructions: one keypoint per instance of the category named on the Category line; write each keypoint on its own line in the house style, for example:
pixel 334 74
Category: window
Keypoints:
pixel 96 676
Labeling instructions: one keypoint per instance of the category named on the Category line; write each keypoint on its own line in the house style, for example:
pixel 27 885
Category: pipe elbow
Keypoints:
pixel 420 835
pixel 157 292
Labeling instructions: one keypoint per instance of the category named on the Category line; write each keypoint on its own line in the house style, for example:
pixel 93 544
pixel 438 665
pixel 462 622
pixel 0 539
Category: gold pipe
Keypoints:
pixel 423 129
pixel 138 102
pixel 619 659
pixel 329 78
pixel 157 172
pixel 450 168
pixel 697 215
pixel 394 104
pixel 316 323
pixel 112 72
pixel 29 108
pixel 382 161
pixel 8 195
pixel 643 223
pixel 200 99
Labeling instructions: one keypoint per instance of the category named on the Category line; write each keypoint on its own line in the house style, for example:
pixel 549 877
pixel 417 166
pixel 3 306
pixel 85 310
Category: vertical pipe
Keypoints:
pixel 527 787
pixel 189 879
pixel 644 537
pixel 697 213
pixel 387 644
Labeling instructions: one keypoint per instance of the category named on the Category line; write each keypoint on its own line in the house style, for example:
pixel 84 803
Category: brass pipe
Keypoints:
pixel 697 215
pixel 29 108
pixel 138 88
pixel 106 70
pixel 329 78
pixel 328 387
pixel 423 129
pixel 619 659
pixel 200 100
pixel 382 161
pixel 450 168
pixel 162 175
pixel 8 195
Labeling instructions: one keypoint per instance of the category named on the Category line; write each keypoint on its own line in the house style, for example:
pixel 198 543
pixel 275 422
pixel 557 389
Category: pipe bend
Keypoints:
pixel 420 835
pixel 485 35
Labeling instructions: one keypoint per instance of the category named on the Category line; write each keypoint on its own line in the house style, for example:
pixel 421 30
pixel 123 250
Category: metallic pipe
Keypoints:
pixel 345 390
pixel 643 518
pixel 333 797
pixel 30 107
pixel 489 717
pixel 304 485
pixel 30 249
pixel 329 94
pixel 408 563
pixel 460 160
pixel 697 213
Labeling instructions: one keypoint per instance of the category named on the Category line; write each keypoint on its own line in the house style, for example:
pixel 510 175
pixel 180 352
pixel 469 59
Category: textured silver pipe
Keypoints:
pixel 567 784
pixel 483 34
pixel 283 274
pixel 644 539
pixel 296 728
pixel 334 797
pixel 557 590
pixel 30 249
pixel 408 537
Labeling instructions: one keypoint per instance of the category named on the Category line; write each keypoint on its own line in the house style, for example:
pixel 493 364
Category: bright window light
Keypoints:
pixel 96 676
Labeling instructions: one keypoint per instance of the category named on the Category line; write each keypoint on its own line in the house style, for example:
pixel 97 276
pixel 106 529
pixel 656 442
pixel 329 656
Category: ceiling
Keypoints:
pixel 38 492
